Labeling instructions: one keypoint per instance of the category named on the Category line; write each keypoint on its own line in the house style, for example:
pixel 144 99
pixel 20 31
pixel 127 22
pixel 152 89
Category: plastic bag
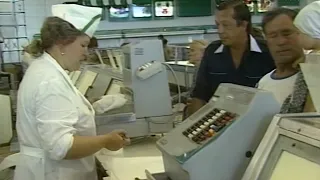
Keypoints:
pixel 109 102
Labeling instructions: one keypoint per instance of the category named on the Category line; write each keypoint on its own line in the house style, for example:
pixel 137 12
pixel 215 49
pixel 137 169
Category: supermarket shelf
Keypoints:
pixel 13 50
pixel 12 25
pixel 22 37
pixel 18 28
pixel 10 13
pixel 10 1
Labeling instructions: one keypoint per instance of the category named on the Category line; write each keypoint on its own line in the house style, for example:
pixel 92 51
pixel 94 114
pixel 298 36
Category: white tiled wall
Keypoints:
pixel 35 14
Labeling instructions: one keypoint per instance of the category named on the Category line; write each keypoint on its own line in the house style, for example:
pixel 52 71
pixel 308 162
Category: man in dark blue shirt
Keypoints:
pixel 236 58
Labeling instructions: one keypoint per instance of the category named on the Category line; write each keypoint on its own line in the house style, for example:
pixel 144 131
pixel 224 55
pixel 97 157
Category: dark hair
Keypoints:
pixel 161 37
pixel 124 44
pixel 93 43
pixel 271 15
pixel 241 11
pixel 257 33
pixel 164 42
pixel 54 31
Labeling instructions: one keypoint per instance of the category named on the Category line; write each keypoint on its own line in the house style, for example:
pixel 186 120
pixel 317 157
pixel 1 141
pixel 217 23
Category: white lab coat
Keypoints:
pixel 50 111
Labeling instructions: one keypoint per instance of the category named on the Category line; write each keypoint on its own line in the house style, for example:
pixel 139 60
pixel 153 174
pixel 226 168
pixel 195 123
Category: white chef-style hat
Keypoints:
pixel 308 20
pixel 83 18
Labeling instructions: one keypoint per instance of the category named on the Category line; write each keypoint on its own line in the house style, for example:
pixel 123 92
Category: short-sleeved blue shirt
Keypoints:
pixel 217 67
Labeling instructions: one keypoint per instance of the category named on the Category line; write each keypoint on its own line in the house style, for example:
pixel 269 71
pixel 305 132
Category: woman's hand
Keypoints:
pixel 116 140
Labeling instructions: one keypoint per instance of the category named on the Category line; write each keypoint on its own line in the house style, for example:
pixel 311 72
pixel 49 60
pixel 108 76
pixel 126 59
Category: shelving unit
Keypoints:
pixel 14 31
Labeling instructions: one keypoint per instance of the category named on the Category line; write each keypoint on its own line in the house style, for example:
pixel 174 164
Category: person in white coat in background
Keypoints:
pixel 308 22
pixel 55 122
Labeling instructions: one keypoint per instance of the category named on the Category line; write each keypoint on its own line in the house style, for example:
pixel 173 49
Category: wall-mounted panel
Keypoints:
pixel 191 8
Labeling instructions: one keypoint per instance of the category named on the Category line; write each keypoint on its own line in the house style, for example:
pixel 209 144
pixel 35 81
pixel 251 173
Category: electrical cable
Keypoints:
pixel 177 81
pixel 179 97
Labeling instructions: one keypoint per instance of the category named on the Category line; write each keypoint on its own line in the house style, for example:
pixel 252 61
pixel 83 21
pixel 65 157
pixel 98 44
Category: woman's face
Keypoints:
pixel 76 52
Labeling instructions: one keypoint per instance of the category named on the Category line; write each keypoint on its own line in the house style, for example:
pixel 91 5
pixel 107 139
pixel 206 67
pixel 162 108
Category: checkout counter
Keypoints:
pixel 218 141
pixel 221 140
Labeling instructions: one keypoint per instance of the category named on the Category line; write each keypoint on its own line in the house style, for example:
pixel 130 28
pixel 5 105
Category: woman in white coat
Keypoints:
pixel 55 123
pixel 308 22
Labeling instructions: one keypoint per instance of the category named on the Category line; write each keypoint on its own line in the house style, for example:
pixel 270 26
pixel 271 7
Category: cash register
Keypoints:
pixel 144 83
pixel 218 141
pixel 290 150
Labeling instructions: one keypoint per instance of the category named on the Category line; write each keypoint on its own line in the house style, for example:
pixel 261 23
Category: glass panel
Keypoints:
pixel 294 167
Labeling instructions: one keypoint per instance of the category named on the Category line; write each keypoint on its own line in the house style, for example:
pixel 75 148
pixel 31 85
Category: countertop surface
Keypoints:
pixel 132 161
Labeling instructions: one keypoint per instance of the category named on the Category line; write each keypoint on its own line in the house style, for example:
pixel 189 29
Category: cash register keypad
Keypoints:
pixel 209 125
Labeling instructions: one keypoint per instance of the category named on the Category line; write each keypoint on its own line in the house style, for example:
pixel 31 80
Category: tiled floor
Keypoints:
pixel 132 161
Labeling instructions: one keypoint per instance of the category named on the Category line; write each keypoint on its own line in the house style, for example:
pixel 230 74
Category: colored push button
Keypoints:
pixel 223 111
pixel 215 128
pixel 203 137
pixel 214 117
pixel 185 133
pixel 208 134
pixel 211 132
pixel 218 114
pixel 224 121
pixel 202 121
pixel 228 118
pixel 209 125
pixel 230 114
pixel 202 133
pixel 194 128
pixel 216 123
pixel 195 139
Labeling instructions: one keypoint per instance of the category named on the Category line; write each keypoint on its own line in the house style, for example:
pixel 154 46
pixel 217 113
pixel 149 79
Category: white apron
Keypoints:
pixel 35 163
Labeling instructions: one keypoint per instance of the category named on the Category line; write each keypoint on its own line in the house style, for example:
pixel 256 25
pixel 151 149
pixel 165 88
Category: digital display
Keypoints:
pixel 164 8
pixel 141 11
pixel 118 12
pixel 290 166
